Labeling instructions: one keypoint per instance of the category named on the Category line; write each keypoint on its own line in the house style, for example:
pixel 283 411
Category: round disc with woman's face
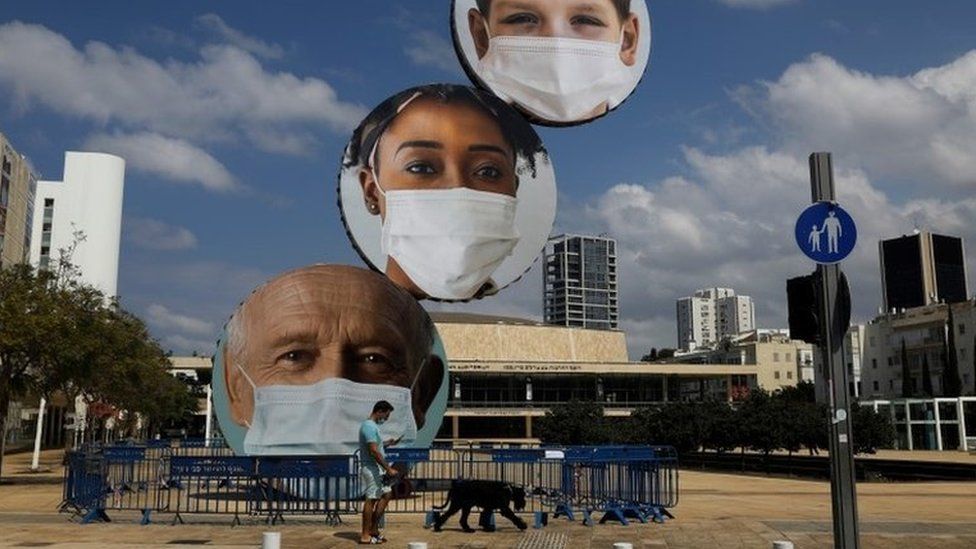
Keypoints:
pixel 561 62
pixel 447 190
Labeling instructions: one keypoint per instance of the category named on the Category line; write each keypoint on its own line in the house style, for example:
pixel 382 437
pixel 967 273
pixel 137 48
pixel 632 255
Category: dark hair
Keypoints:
pixel 515 129
pixel 622 6
pixel 382 406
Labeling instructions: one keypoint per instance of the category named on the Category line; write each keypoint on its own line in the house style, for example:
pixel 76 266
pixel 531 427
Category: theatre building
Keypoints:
pixel 505 372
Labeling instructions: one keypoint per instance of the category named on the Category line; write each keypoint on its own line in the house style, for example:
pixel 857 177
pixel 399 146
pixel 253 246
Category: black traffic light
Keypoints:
pixel 804 311
pixel 802 294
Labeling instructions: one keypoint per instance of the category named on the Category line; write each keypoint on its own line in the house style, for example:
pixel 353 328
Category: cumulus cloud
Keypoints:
pixel 151 234
pixel 223 95
pixel 258 47
pixel 174 159
pixel 166 319
pixel 756 4
pixel 729 223
pixel 918 128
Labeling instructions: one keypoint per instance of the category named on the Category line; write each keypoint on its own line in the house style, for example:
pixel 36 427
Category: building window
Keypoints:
pixel 890 361
pixel 962 329
pixel 874 364
pixel 776 374
pixel 876 386
pixel 787 357
pixel 871 341
pixel 776 358
pixel 891 384
pixel 789 374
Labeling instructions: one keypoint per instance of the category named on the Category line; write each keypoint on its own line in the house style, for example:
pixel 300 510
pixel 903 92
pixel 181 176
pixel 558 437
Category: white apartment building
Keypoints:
pixel 712 314
pixel 87 201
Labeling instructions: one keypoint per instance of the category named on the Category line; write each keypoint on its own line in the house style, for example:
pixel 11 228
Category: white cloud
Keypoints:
pixel 160 316
pixel 221 96
pixel 730 223
pixel 237 38
pixel 918 128
pixel 756 4
pixel 174 159
pixel 151 234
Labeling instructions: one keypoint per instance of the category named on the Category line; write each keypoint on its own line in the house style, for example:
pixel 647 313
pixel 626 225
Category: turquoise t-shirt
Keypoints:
pixel 369 431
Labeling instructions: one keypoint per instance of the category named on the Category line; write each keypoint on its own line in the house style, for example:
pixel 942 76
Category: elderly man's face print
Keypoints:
pixel 310 353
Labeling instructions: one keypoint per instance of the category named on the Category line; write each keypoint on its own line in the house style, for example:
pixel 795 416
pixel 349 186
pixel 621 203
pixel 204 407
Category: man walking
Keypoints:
pixel 373 465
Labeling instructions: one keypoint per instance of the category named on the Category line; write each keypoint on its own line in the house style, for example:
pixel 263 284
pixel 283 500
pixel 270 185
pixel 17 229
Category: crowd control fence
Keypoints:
pixel 160 479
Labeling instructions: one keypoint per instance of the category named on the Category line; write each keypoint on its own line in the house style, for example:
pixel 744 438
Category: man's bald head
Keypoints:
pixel 329 321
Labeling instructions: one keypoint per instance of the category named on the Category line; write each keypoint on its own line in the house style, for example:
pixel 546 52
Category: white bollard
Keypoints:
pixel 782 545
pixel 417 545
pixel 271 540
pixel 623 545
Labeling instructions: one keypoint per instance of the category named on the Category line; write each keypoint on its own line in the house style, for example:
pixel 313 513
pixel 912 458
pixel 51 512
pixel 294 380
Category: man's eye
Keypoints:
pixel 297 357
pixel 420 168
pixel 521 19
pixel 587 20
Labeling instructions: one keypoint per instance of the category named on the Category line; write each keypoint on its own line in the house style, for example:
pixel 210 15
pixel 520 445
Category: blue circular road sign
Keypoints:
pixel 826 233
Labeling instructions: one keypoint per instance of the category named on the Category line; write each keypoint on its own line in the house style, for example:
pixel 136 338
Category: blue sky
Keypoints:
pixel 232 117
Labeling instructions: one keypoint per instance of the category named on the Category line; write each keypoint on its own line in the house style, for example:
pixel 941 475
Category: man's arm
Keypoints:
pixel 378 456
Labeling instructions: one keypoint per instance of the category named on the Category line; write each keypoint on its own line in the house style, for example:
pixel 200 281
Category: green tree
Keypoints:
pixel 926 377
pixel 872 430
pixel 574 423
pixel 761 423
pixel 907 387
pixel 951 382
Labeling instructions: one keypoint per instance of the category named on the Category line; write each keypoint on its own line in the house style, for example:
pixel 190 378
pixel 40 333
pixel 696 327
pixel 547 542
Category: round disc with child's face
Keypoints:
pixel 448 191
pixel 560 62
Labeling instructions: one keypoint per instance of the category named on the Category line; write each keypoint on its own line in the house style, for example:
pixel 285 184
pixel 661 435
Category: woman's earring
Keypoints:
pixel 373 207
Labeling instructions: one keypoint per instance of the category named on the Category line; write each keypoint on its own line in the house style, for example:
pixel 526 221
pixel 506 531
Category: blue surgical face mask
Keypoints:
pixel 323 418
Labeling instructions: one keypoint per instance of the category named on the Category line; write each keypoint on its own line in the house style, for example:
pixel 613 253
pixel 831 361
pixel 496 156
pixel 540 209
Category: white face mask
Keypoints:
pixel 448 241
pixel 323 418
pixel 556 79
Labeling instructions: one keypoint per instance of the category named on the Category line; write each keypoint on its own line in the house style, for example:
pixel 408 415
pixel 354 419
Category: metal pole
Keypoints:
pixel 35 459
pixel 842 490
pixel 208 426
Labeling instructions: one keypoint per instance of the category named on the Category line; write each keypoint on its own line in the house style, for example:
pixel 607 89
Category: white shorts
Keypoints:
pixel 371 483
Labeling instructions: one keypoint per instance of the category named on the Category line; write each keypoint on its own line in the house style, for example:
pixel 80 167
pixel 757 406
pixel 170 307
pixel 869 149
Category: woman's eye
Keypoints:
pixel 422 168
pixel 489 172
pixel 521 19
pixel 375 360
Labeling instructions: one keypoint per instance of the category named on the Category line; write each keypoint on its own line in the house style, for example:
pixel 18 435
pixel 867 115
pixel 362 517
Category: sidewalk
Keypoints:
pixel 714 511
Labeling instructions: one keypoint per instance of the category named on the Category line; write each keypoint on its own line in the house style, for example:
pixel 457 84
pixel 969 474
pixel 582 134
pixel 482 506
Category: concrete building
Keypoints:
pixel 778 360
pixel 17 187
pixel 925 332
pixel 84 208
pixel 922 268
pixel 580 282
pixel 712 314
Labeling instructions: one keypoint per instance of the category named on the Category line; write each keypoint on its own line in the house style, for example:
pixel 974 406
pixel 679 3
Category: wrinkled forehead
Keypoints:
pixel 337 292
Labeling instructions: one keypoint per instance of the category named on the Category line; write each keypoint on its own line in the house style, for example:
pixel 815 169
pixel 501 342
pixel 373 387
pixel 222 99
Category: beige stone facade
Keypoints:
pixel 17 184
pixel 486 338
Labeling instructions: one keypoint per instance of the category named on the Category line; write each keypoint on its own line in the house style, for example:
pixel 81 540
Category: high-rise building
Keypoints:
pixel 712 314
pixel 17 186
pixel 83 210
pixel 580 282
pixel 921 269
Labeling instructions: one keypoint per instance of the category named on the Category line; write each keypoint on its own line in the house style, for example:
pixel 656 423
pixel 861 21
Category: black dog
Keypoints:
pixel 486 494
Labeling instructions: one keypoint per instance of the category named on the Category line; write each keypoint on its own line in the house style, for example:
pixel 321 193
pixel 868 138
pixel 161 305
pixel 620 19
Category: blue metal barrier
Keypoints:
pixel 622 482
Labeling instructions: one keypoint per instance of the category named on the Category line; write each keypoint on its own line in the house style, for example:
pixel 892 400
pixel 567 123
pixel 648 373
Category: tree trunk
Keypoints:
pixel 4 408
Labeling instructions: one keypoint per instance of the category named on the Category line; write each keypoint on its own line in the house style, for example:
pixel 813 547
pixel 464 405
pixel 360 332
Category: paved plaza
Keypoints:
pixel 715 511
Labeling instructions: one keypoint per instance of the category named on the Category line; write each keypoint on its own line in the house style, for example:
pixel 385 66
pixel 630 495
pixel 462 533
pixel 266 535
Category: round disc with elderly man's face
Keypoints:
pixel 448 191
pixel 306 357
pixel 561 62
